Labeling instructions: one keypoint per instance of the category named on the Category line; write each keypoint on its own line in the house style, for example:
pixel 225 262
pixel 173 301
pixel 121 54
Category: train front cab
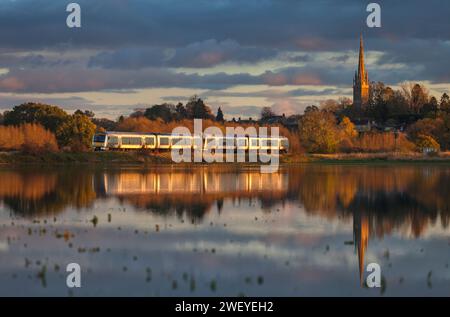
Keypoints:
pixel 99 142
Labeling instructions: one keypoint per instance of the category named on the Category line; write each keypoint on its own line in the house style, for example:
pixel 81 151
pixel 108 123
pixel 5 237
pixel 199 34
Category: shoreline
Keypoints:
pixel 145 159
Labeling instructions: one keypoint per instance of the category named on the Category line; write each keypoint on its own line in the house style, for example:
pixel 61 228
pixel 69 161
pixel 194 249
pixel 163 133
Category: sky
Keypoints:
pixel 241 55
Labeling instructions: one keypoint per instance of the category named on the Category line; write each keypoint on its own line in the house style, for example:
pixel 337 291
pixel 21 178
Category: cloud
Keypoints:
pixel 301 24
pixel 196 55
pixel 214 45
pixel 288 106
pixel 73 79
pixel 211 52
pixel 129 58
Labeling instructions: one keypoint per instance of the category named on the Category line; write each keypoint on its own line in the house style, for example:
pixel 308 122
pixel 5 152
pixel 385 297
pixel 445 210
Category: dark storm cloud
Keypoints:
pixel 424 60
pixel 129 58
pixel 68 103
pixel 305 24
pixel 136 41
pixel 210 53
pixel 31 61
pixel 196 55
pixel 72 79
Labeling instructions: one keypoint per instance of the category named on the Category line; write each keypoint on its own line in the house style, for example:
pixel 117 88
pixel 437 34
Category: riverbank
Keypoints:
pixel 17 158
pixel 138 158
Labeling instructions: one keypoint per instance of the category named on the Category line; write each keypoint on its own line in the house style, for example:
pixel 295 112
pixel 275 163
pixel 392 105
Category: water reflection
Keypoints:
pixel 191 192
pixel 378 201
pixel 403 198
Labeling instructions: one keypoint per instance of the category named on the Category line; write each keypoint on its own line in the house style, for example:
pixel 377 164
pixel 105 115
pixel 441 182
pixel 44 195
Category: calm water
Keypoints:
pixel 308 230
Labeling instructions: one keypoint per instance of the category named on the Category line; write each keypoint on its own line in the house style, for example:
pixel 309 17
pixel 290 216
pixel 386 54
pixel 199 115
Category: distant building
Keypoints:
pixel 290 122
pixel 363 125
pixel 361 81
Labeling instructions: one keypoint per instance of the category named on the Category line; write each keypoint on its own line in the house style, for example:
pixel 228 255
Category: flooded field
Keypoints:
pixel 166 231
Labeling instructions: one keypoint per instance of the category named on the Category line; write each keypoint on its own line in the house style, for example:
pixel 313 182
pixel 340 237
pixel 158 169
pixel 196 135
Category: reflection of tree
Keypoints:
pixel 31 193
pixel 379 199
pixel 196 206
pixel 33 186
pixel 181 205
pixel 404 198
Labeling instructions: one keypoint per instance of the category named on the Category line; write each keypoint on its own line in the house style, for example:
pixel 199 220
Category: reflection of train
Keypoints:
pixel 154 141
pixel 171 183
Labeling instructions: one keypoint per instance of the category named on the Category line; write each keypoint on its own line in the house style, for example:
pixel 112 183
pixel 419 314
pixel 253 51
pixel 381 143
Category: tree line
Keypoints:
pixel 406 119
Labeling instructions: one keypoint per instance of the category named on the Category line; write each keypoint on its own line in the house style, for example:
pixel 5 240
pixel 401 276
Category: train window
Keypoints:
pixel 285 143
pixel 150 141
pixel 254 142
pixel 241 142
pixel 113 140
pixel 164 140
pixel 225 142
pixel 131 141
pixel 99 138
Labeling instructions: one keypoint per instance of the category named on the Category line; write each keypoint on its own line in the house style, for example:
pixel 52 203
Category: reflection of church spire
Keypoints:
pixel 361 239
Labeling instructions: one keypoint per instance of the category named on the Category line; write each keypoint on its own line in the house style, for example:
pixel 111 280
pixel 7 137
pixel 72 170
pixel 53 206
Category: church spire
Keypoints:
pixel 361 81
pixel 361 67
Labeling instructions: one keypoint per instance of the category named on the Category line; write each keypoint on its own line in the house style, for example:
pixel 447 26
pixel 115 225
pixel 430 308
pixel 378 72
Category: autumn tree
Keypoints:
pixel 197 109
pixel 76 132
pixel 428 126
pixel 426 143
pixel 430 109
pixel 88 113
pixel 104 124
pixel 135 124
pixel 28 137
pixel 416 96
pixel 318 132
pixel 51 117
pixel 347 128
pixel 181 111
pixel 165 111
pixel 444 104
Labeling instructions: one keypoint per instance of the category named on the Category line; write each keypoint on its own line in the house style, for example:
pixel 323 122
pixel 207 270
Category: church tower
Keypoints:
pixel 361 80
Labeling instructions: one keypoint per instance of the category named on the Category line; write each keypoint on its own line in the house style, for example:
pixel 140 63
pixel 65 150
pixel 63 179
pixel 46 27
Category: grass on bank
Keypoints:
pixel 17 157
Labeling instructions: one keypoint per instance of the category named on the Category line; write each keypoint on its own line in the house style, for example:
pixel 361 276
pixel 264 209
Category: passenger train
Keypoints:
pixel 110 141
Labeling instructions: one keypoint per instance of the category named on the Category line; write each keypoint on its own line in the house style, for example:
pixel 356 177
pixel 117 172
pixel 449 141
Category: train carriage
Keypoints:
pixel 155 141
